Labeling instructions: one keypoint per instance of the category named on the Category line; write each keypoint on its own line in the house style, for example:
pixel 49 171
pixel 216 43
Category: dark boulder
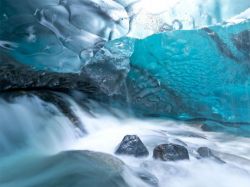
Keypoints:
pixel 170 152
pixel 132 145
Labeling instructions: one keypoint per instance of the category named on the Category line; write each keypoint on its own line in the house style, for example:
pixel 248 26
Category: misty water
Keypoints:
pixel 77 76
pixel 33 131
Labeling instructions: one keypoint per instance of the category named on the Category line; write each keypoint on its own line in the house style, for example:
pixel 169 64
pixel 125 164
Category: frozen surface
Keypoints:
pixel 186 74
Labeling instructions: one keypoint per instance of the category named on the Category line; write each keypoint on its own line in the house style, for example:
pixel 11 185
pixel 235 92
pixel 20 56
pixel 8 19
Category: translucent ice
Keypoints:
pixel 51 35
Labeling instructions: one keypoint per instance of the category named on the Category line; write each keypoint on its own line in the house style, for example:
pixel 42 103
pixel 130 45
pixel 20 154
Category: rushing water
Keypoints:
pixel 34 133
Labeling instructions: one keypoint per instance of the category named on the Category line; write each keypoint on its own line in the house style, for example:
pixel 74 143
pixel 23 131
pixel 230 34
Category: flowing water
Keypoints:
pixel 77 76
pixel 34 132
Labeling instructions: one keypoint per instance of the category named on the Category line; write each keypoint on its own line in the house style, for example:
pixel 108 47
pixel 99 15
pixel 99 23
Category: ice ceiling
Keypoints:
pixel 185 59
pixel 136 18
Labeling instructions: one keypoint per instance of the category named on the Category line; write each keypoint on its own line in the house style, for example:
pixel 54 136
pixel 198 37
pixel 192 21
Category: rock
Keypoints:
pixel 148 178
pixel 73 169
pixel 86 168
pixel 170 152
pixel 132 145
pixel 15 76
pixel 63 105
pixel 205 152
pixel 52 97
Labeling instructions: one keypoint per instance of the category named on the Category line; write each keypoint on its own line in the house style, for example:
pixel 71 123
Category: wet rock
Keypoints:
pixel 52 97
pixel 75 169
pixel 170 152
pixel 132 145
pixel 90 168
pixel 63 105
pixel 205 152
pixel 15 76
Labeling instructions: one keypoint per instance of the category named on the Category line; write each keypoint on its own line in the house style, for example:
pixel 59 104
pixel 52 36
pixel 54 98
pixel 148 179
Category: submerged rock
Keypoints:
pixel 148 178
pixel 132 145
pixel 63 105
pixel 49 97
pixel 205 152
pixel 170 152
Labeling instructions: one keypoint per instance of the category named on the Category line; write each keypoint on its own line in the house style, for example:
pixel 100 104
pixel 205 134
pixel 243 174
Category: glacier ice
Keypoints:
pixel 59 31
pixel 184 74
pixel 199 74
